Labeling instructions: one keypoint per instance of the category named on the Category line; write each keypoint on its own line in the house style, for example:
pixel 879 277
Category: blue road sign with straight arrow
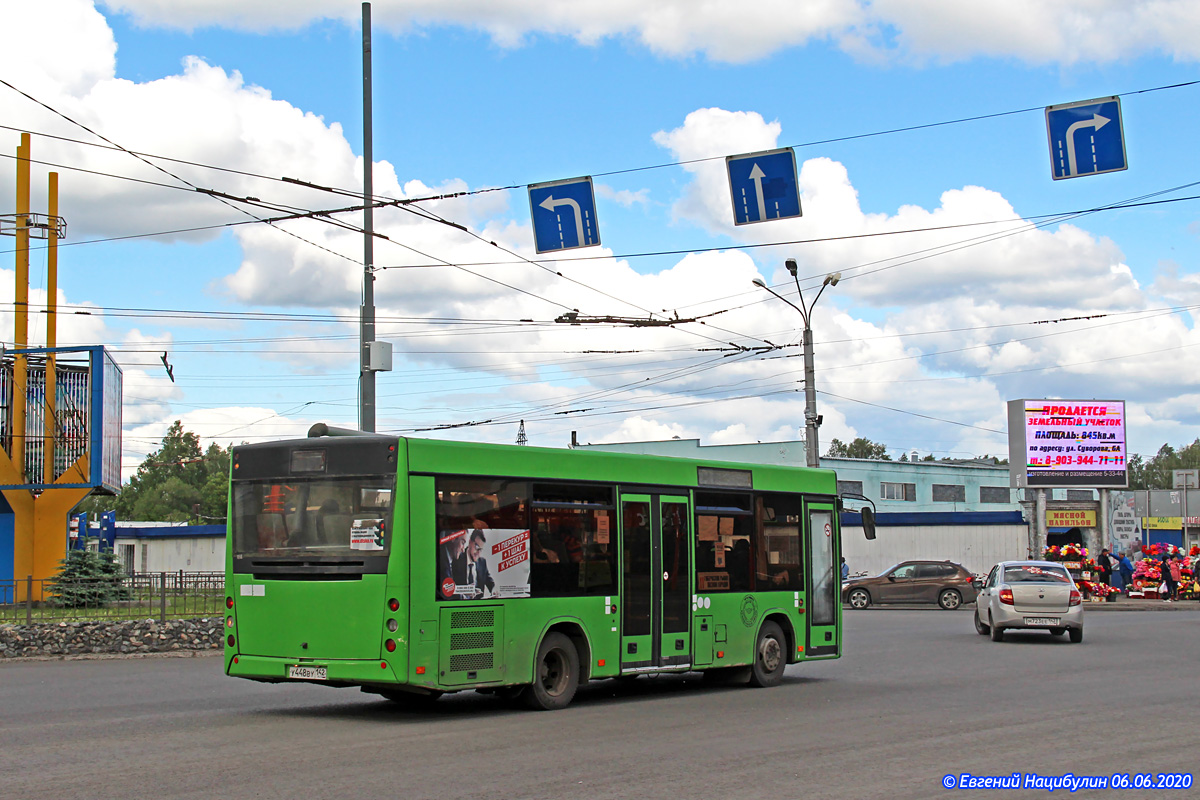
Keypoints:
pixel 564 215
pixel 1086 138
pixel 763 186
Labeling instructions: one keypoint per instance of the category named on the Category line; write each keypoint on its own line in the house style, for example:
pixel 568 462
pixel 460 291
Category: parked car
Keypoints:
pixel 1029 595
pixel 942 582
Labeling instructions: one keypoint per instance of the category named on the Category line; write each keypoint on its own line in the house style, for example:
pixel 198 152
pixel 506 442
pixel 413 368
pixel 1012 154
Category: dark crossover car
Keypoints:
pixel 942 582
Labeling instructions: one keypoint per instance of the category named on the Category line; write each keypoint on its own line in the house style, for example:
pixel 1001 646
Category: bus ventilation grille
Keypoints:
pixel 473 635
pixel 483 618
pixel 470 661
pixel 475 640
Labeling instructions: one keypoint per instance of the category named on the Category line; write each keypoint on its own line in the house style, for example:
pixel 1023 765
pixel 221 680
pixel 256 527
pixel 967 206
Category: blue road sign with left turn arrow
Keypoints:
pixel 763 186
pixel 564 215
pixel 1086 138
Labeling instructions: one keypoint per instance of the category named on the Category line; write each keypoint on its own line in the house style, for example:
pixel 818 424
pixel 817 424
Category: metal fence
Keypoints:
pixel 142 595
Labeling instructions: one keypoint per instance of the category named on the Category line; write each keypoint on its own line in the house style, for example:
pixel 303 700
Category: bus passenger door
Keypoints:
pixel 824 581
pixel 655 583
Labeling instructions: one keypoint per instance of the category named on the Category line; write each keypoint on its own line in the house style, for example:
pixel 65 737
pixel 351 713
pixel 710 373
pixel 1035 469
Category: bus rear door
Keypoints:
pixel 655 583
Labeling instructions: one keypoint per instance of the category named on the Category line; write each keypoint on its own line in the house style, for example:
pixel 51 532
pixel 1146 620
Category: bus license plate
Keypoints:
pixel 307 673
pixel 1041 620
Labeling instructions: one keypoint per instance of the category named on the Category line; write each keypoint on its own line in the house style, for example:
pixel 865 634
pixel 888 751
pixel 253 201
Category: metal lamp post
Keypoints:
pixel 811 419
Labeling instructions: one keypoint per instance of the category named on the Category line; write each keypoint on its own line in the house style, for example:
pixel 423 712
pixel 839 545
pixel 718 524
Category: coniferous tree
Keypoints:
pixel 87 579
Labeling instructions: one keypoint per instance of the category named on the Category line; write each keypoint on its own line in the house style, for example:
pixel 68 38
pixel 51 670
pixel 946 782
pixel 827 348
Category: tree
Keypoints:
pixel 1157 472
pixel 859 448
pixel 87 579
pixel 172 483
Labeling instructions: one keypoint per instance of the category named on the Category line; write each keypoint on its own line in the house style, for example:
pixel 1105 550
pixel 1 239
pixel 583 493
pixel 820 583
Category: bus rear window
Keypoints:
pixel 330 517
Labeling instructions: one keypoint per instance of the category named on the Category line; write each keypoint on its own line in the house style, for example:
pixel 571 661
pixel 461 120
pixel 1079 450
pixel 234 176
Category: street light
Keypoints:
pixel 811 419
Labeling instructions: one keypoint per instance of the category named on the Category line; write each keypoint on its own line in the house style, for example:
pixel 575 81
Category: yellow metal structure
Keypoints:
pixel 40 517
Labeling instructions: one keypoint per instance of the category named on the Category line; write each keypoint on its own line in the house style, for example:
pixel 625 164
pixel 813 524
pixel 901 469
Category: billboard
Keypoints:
pixel 1067 443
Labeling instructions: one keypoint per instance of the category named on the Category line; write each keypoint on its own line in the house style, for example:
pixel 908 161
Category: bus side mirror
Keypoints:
pixel 868 523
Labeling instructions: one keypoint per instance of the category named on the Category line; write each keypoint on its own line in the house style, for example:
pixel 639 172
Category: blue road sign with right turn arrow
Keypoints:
pixel 763 186
pixel 1086 138
pixel 564 215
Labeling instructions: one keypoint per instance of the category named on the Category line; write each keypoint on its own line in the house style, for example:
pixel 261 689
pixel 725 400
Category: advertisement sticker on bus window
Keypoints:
pixel 366 534
pixel 708 529
pixel 602 527
pixel 483 563
pixel 719 556
pixel 712 581
pixel 726 526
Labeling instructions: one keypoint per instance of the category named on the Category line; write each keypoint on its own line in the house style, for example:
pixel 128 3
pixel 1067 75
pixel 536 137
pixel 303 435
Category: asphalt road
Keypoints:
pixel 917 697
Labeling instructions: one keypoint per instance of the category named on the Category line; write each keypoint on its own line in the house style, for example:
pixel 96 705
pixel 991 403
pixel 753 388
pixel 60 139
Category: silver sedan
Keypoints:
pixel 1029 595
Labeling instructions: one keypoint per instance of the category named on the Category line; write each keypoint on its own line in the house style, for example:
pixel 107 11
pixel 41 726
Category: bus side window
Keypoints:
pixel 778 554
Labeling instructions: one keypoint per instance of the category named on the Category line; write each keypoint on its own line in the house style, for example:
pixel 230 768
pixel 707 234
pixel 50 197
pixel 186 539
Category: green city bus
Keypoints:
pixel 412 567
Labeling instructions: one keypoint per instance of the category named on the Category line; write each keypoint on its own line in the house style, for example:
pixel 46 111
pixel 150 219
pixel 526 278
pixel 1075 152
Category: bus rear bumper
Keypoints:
pixel 337 672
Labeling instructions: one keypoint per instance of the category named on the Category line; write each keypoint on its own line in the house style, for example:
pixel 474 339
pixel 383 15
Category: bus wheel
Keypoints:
pixel 770 656
pixel 555 675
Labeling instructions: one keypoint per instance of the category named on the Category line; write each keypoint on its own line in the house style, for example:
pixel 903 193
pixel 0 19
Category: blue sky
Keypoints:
pixel 468 96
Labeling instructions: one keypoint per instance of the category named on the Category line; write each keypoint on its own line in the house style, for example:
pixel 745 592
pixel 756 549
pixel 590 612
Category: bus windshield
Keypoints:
pixel 318 517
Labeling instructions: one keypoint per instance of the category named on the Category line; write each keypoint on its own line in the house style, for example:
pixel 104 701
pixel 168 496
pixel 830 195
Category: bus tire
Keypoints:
pixel 555 674
pixel 770 656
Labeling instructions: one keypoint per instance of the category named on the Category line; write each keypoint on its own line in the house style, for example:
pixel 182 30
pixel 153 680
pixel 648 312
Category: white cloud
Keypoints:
pixel 624 197
pixel 688 381
pixel 1064 32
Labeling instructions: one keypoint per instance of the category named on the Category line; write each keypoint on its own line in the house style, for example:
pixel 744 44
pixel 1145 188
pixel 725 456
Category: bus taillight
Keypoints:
pixel 394 604
pixel 390 645
pixel 229 640
pixel 229 602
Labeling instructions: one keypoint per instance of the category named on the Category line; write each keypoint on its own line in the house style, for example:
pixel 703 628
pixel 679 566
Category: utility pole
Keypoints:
pixel 366 375
pixel 812 420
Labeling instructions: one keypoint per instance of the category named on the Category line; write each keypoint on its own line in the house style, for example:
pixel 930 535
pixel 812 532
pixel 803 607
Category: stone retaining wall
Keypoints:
pixel 115 638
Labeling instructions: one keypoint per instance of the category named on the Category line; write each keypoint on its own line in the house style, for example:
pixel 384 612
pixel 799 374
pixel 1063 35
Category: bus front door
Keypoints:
pixel 655 583
pixel 824 575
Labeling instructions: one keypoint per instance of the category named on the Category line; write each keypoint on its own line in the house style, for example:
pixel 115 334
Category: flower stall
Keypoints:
pixel 1147 574
pixel 1082 569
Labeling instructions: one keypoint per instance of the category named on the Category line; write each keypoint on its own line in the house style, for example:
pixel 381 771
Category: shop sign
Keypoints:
pixel 1162 523
pixel 1070 518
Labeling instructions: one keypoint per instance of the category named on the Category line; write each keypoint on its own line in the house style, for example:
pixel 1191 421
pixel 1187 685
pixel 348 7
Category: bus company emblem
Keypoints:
pixel 447 587
pixel 749 610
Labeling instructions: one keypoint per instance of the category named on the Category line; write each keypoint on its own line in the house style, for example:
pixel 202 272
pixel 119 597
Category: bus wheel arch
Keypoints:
pixel 574 631
pixel 790 639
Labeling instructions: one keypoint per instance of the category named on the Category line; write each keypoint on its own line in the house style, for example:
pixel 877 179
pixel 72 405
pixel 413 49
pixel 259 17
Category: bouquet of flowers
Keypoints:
pixel 1066 552
pixel 1147 570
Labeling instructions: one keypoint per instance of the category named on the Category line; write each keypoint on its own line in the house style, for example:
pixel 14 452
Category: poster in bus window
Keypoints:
pixel 483 563
pixel 366 534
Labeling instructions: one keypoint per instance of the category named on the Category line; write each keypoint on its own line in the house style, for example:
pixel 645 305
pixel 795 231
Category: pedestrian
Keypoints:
pixel 1168 580
pixel 845 570
pixel 1125 566
pixel 1104 567
pixel 1176 571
